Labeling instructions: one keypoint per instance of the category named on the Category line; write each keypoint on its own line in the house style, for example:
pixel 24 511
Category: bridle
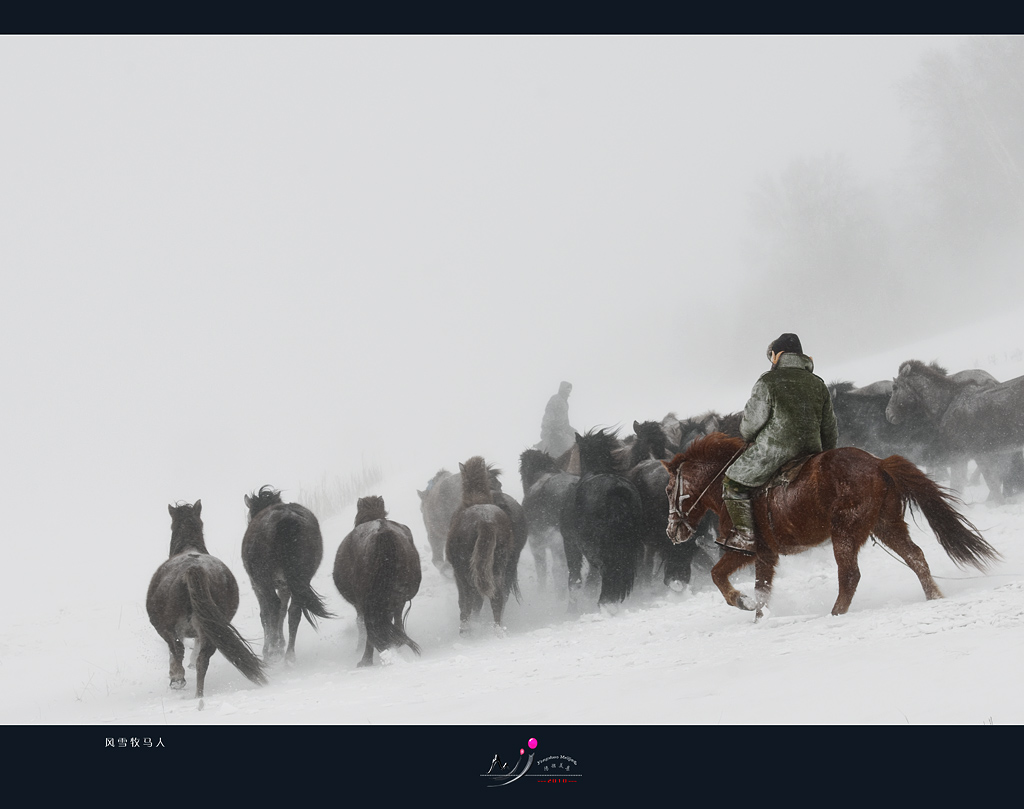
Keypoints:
pixel 675 502
pixel 675 505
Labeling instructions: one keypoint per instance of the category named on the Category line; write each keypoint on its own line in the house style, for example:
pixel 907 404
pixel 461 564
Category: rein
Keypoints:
pixel 721 471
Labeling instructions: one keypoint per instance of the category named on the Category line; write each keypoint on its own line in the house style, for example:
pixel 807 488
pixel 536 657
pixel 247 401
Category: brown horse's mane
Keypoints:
pixel 370 508
pixel 707 451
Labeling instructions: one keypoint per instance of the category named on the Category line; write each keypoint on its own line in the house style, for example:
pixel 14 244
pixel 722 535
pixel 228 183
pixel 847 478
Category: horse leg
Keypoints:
pixel 994 468
pixel 895 534
pixel 284 597
pixel 679 565
pixel 269 606
pixel 539 548
pixel 574 563
pixel 498 608
pixel 958 476
pixel 206 650
pixel 647 565
pixel 720 573
pixel 177 655
pixel 846 548
pixel 361 628
pixel 764 574
pixel 367 658
pixel 294 618
pixel 466 600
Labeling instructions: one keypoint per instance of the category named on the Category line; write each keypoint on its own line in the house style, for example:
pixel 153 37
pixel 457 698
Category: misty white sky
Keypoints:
pixel 237 261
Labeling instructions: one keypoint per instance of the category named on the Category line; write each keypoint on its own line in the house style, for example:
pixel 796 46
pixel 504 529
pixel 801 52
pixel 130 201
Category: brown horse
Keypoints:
pixel 281 551
pixel 846 494
pixel 195 595
pixel 482 547
pixel 438 503
pixel 377 570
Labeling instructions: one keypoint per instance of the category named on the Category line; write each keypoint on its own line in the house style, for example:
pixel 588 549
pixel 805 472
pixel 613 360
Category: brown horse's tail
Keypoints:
pixel 956 534
pixel 382 629
pixel 289 535
pixel 482 561
pixel 215 627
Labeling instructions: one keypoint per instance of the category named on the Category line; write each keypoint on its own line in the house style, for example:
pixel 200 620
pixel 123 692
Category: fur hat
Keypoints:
pixel 783 343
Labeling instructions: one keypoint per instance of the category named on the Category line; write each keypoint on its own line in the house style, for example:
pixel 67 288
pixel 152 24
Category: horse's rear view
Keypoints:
pixel 281 551
pixel 377 570
pixel 195 595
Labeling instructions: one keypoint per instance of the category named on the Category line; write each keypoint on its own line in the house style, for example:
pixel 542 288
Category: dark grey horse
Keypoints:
pixel 973 416
pixel 377 570
pixel 195 595
pixel 545 487
pixel 602 521
pixel 281 551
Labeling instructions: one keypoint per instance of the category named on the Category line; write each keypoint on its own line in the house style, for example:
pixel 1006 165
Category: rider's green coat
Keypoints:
pixel 789 415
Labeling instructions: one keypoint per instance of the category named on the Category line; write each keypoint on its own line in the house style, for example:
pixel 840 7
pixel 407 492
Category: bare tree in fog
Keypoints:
pixel 938 241
pixel 969 109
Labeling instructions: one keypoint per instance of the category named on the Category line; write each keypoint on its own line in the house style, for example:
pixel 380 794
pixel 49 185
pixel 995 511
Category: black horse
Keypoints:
pixel 281 551
pixel 649 440
pixel 545 488
pixel 482 547
pixel 648 474
pixel 195 595
pixel 602 521
pixel 377 570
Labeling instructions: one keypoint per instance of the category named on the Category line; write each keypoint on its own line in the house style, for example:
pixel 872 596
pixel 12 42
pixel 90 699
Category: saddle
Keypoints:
pixel 786 474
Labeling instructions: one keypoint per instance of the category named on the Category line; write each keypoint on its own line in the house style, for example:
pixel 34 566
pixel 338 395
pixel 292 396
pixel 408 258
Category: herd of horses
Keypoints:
pixel 630 508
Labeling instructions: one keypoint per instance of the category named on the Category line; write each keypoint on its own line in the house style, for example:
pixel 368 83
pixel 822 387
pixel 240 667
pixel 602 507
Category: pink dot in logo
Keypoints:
pixel 521 751
pixel 533 744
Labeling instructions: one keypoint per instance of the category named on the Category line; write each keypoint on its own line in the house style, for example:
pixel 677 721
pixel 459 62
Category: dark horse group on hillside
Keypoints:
pixel 195 595
pixel 627 508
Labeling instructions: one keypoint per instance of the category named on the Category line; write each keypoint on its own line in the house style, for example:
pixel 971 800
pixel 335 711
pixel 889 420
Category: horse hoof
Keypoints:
pixel 177 685
pixel 362 664
pixel 746 603
pixel 677 585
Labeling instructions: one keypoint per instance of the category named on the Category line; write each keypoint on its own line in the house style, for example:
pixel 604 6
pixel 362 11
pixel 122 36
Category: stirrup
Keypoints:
pixel 740 543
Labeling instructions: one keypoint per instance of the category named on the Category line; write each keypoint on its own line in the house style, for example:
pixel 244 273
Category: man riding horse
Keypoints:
pixel 789 416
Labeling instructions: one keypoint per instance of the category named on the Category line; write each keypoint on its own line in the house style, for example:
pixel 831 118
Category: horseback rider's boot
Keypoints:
pixel 741 537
